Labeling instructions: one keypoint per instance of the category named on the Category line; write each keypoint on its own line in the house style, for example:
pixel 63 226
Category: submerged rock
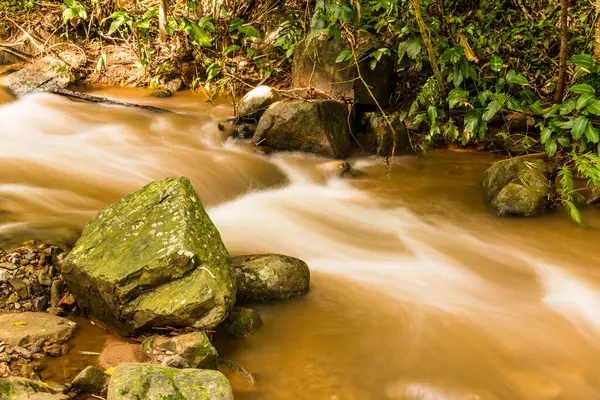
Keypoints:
pixel 195 348
pixel 319 127
pixel 151 382
pixel 42 75
pixel 265 277
pixel 162 93
pixel 91 380
pixel 256 101
pixel 152 259
pixel 516 187
pixel 242 322
pixel 34 328
pixel 120 352
pixel 377 137
pixel 22 389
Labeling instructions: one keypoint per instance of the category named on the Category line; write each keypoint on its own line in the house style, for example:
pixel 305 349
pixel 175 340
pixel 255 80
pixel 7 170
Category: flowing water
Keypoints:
pixel 417 292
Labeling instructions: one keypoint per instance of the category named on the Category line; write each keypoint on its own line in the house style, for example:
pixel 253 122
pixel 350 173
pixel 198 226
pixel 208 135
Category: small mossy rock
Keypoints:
pixel 319 127
pixel 14 388
pixel 315 66
pixel 152 259
pixel 34 328
pixel 152 382
pixel 42 75
pixel 265 277
pixel 242 322
pixel 377 138
pixel 337 169
pixel 256 101
pixel 162 93
pixel 516 187
pixel 195 348
pixel 91 381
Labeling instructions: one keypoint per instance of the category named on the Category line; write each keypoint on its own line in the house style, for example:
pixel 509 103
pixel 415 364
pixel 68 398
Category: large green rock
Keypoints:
pixel 516 187
pixel 320 127
pixel 151 382
pixel 315 66
pixel 265 277
pixel 242 322
pixel 151 259
pixel 14 388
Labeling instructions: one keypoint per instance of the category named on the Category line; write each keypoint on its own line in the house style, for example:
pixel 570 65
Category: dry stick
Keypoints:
pixel 597 32
pixel 562 69
pixel 105 100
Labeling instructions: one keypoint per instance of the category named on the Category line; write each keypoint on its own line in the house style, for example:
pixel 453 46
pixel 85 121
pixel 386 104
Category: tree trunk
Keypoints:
pixel 163 9
pixel 562 67
pixel 429 46
pixel 597 32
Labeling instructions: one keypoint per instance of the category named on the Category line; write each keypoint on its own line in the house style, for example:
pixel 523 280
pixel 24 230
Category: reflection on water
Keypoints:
pixel 417 292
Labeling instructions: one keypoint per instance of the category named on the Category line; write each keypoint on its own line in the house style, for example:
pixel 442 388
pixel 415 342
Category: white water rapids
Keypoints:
pixel 417 292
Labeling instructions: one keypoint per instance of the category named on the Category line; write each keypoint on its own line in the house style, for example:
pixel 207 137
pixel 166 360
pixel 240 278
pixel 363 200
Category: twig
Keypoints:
pixel 105 100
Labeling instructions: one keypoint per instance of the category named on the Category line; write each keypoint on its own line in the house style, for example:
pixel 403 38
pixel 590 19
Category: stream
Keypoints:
pixel 417 291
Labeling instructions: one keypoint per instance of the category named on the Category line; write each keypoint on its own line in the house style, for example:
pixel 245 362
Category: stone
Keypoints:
pixel 255 102
pixel 8 266
pixel 19 286
pixel 337 169
pixel 314 66
pixel 175 361
pixel 242 322
pixel 195 348
pixel 14 388
pixel 40 303
pixel 319 127
pixel 236 373
pixel 5 276
pixel 265 277
pixel 151 382
pixel 57 290
pixel 22 352
pixel 29 328
pixel 377 137
pixel 44 279
pixel 52 349
pixel 91 380
pixel 43 74
pixel 174 85
pixel 152 259
pixel 120 352
pixel 516 187
pixel 162 93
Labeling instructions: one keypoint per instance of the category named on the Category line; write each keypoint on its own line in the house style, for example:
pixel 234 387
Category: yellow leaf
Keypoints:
pixel 110 371
pixel 469 54
pixel 19 323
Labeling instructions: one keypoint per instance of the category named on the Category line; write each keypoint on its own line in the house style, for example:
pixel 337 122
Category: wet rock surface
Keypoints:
pixel 42 75
pixel 255 102
pixel 191 350
pixel 91 380
pixel 242 322
pixel 23 389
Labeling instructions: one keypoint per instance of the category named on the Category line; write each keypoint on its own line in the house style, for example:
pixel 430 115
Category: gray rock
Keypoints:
pixel 152 259
pixel 29 328
pixel 5 276
pixel 377 137
pixel 242 322
pixel 42 75
pixel 256 101
pixel 319 127
pixel 56 292
pixel 516 187
pixel 14 388
pixel 8 266
pixel 195 348
pixel 265 277
pixel 91 380
pixel 175 361
pixel 315 66
pixel 19 286
pixel 22 352
pixel 162 93
pixel 44 279
pixel 151 382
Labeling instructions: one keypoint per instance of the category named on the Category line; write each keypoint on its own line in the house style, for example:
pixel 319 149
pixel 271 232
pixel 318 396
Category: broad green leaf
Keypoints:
pixel 579 127
pixel 249 30
pixel 568 106
pixel 564 141
pixel 574 213
pixel 594 108
pixel 552 111
pixel 491 110
pixel 496 63
pixel 153 12
pixel 551 148
pixel 236 23
pixel 546 133
pixel 213 70
pixel 198 35
pixel 233 47
pixel 413 47
pixel 582 88
pixel 584 100
pixel 471 122
pixel 584 61
pixel 513 78
pixel 591 134
pixel 458 97
pixel 344 55
pixel 432 113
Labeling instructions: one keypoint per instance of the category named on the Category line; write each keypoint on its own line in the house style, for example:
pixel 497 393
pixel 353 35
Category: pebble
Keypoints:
pixel 23 352
pixel 5 276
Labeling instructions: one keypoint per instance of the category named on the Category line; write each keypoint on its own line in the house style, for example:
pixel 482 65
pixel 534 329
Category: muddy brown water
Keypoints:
pixel 417 291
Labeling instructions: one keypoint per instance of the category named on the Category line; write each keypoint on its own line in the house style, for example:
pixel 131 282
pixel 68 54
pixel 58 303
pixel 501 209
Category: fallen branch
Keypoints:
pixel 105 100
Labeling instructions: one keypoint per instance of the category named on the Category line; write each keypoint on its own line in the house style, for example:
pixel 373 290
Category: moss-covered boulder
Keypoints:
pixel 152 382
pixel 256 101
pixel 42 75
pixel 91 381
pixel 14 388
pixel 377 137
pixel 242 322
pixel 319 127
pixel 195 348
pixel 152 259
pixel 265 277
pixel 516 187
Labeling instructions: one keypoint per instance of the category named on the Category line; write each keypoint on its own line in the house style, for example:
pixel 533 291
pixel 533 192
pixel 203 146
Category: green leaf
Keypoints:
pixel 513 78
pixel 236 23
pixel 568 106
pixel 552 111
pixel 584 61
pixel 551 148
pixel 153 12
pixel 344 55
pixel 579 127
pixel 233 47
pixel 584 100
pixel 546 133
pixel 249 30
pixel 582 88
pixel 594 108
pixel 491 110
pixel 496 63
pixel 471 122
pixel 564 141
pixel 432 113
pixel 458 96
pixel 574 213
pixel 198 35
pixel 213 70
pixel 413 47
pixel 591 134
